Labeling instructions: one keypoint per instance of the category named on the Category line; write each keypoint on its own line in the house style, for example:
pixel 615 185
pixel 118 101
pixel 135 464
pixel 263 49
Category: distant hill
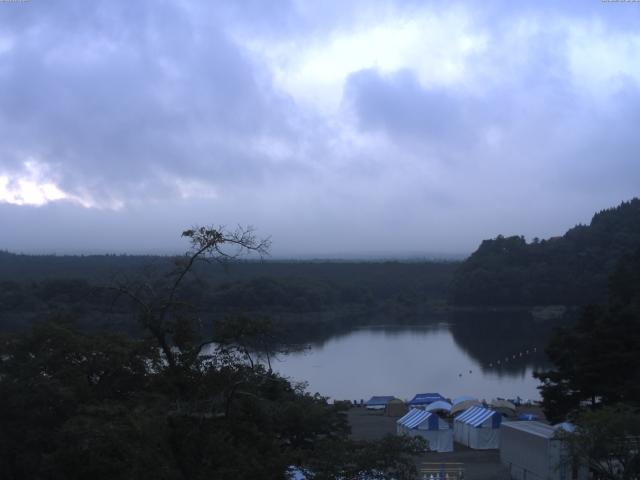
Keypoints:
pixel 570 270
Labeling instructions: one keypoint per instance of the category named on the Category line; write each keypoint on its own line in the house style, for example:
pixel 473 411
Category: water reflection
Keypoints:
pixel 507 343
pixel 466 354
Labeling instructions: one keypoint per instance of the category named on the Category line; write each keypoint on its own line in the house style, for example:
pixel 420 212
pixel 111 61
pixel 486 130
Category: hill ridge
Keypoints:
pixel 572 269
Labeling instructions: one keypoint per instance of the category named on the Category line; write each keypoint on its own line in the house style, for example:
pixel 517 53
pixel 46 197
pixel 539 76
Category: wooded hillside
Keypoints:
pixel 570 270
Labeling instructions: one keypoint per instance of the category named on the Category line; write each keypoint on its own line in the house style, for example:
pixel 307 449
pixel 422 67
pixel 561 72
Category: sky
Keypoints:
pixel 337 128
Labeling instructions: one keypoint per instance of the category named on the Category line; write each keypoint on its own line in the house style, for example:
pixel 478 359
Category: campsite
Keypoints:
pixel 466 443
pixel 303 240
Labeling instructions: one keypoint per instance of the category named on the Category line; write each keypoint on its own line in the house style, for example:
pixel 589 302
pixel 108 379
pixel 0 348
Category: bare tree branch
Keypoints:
pixel 159 307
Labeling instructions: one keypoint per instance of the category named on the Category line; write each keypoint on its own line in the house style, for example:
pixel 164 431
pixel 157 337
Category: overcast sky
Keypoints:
pixel 336 127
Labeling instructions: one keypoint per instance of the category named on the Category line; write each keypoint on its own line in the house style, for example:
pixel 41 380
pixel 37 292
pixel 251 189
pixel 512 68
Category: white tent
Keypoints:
pixel 531 451
pixel 464 405
pixel 478 428
pixel 505 407
pixel 462 398
pixel 429 426
pixel 439 406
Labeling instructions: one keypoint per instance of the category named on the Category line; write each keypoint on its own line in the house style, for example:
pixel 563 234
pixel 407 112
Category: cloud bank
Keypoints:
pixel 367 127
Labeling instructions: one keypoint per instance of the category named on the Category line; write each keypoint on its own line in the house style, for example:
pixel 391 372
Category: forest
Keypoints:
pixel 594 379
pixel 314 297
pixel 569 270
pixel 311 298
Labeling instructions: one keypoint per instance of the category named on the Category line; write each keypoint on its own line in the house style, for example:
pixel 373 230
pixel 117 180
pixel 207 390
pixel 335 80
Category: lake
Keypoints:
pixel 484 356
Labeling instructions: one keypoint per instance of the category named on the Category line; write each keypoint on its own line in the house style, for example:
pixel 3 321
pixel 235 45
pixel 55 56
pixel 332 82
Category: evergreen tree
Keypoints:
pixel 569 270
pixel 596 362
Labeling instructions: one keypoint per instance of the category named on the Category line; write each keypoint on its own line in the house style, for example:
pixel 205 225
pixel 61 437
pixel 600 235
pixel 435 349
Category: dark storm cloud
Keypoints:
pixel 111 96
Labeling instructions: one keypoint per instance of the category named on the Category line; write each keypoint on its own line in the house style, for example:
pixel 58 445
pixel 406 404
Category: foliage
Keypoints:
pixel 305 298
pixel 569 270
pixel 56 382
pixel 74 405
pixel 389 458
pixel 77 405
pixel 161 311
pixel 607 441
pixel 596 362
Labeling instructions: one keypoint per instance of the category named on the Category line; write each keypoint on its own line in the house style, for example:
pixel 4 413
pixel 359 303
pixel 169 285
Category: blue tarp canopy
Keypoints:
pixel 294 473
pixel 425 398
pixel 378 401
pixel 476 416
pixel 527 416
pixel 566 426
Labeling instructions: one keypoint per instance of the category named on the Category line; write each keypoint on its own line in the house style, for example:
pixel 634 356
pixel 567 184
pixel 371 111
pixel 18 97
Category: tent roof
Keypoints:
pixel 476 416
pixel 439 405
pixel 463 398
pixel 534 428
pixel 382 400
pixel 414 418
pixel 460 406
pixel 499 403
pixel 425 398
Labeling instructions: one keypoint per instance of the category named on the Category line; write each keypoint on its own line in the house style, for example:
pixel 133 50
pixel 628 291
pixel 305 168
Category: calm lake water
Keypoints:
pixel 483 357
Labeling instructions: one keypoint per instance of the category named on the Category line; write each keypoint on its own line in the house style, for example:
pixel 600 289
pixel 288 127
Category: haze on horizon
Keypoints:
pixel 337 128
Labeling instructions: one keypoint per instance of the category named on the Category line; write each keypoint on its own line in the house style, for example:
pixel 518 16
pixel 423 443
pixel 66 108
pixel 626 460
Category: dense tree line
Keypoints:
pixel 379 275
pixel 321 297
pixel 568 270
pixel 596 361
pixel 595 380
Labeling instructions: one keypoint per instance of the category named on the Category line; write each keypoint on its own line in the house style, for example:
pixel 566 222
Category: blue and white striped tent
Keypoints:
pixel 477 416
pixel 417 417
pixel 429 426
pixel 478 428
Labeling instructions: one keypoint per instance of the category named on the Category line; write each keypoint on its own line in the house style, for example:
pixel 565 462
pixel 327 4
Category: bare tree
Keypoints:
pixel 160 310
